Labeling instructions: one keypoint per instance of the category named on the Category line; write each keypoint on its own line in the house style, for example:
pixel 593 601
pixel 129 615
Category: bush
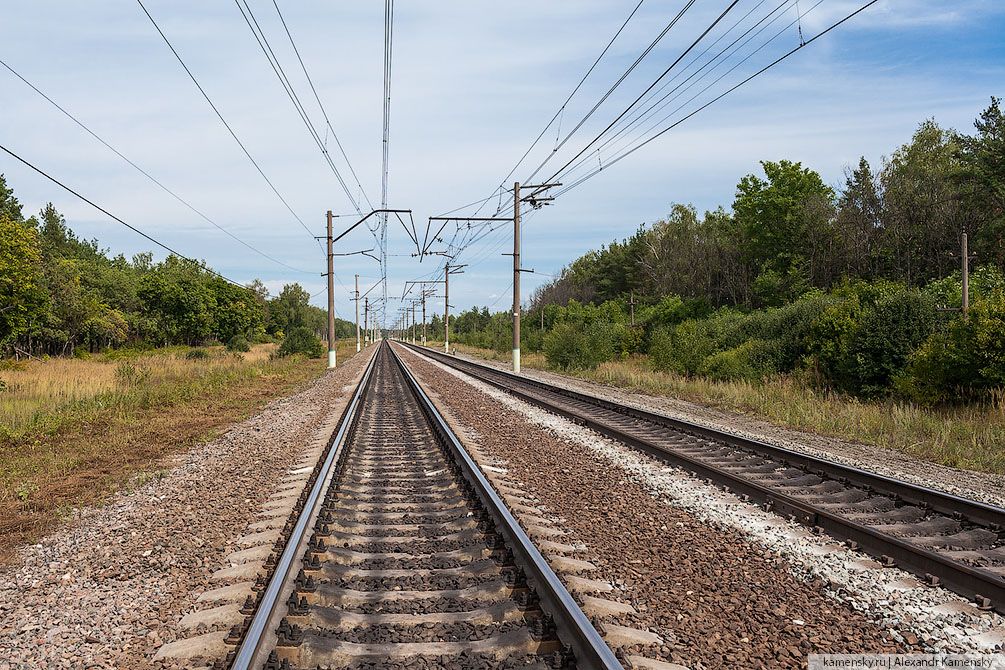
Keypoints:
pixel 81 352
pixel 197 354
pixel 967 361
pixel 238 343
pixel 682 349
pixel 887 335
pixel 753 360
pixel 570 346
pixel 301 340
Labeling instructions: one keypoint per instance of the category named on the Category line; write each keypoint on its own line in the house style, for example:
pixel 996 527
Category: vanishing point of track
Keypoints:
pixel 400 554
pixel 944 539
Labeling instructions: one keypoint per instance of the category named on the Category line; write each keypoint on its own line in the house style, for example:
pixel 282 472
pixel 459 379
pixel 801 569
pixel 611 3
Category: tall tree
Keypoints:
pixel 20 297
pixel 982 177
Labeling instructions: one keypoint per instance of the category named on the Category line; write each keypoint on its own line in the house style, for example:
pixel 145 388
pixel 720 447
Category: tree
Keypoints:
pixel 860 220
pixel 20 297
pixel 290 309
pixel 9 206
pixel 981 175
pixel 921 207
pixel 776 215
pixel 237 312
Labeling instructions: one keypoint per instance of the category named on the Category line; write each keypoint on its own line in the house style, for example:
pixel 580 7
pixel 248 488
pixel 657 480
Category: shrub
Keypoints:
pixel 682 349
pixel 81 352
pixel 570 346
pixel 238 343
pixel 967 361
pixel 632 340
pixel 301 340
pixel 886 336
pixel 197 354
pixel 753 360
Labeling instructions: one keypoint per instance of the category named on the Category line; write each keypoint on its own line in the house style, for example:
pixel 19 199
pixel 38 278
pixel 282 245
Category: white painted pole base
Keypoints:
pixel 331 359
pixel 516 361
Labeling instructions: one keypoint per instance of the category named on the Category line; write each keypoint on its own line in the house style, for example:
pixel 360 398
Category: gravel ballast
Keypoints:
pixel 987 488
pixel 728 584
pixel 107 590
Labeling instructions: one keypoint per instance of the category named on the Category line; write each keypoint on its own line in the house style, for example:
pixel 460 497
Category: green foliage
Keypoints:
pixel 301 340
pixel 238 343
pixel 968 360
pixel 682 349
pixel 886 336
pixel 569 346
pixel 753 360
pixel 20 295
pixel 196 354
pixel 775 213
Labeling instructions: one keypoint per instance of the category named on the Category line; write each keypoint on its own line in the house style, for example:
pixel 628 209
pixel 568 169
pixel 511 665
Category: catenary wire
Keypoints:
pixel 721 95
pixel 149 176
pixel 227 125
pixel 320 105
pixel 112 216
pixel 649 88
pixel 287 85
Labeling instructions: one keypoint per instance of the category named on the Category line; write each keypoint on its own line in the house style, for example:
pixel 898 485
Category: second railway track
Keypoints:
pixel 402 555
pixel 944 539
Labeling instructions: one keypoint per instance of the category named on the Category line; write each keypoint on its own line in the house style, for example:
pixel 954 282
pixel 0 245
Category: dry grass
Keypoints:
pixel 962 437
pixel 34 390
pixel 86 429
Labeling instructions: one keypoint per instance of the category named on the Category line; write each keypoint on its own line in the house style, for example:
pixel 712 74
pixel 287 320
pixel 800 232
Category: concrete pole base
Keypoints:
pixel 331 359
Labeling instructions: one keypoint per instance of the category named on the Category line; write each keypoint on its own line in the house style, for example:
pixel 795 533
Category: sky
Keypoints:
pixel 472 85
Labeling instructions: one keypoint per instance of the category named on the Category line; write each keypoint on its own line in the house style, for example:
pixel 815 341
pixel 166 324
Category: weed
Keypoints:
pixel 130 374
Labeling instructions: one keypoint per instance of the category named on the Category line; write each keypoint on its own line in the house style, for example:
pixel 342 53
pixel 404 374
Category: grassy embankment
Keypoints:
pixel 72 432
pixel 961 437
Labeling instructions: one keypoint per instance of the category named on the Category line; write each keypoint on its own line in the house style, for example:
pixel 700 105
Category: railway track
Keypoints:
pixel 400 554
pixel 945 540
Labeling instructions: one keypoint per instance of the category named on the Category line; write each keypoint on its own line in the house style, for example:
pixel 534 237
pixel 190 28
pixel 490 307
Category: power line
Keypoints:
pixel 270 55
pixel 109 214
pixel 618 83
pixel 321 106
pixel 227 125
pixel 561 109
pixel 650 87
pixel 721 95
pixel 385 157
pixel 148 175
pixel 704 71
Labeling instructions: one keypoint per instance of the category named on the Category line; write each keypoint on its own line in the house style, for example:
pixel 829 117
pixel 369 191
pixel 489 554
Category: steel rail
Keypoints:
pixel 966 580
pixel 574 629
pixel 247 652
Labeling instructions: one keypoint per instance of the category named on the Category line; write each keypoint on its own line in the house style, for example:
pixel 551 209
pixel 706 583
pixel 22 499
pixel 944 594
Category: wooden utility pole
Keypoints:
pixel 516 277
pixel 331 296
pixel 966 275
pixel 366 314
pixel 357 314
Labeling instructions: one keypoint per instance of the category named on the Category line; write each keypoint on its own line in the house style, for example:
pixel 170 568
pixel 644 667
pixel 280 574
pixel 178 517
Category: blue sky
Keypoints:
pixel 472 85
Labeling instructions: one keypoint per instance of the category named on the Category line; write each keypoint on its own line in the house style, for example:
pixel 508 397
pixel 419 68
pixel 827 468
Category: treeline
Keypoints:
pixel 61 295
pixel 844 287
